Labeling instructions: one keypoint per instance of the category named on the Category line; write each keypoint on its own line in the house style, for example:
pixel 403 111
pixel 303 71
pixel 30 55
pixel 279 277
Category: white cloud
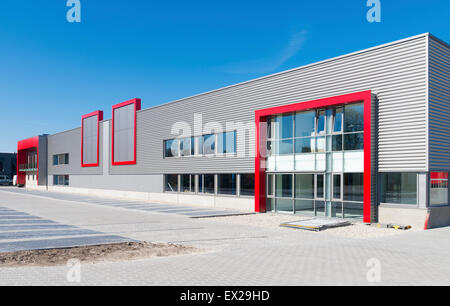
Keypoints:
pixel 267 65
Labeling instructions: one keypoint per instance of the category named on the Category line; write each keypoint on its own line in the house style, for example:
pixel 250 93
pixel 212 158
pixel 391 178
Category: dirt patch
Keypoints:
pixel 93 254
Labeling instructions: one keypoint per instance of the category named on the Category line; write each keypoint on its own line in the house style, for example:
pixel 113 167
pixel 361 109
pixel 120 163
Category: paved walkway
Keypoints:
pixel 234 254
pixel 21 231
pixel 190 211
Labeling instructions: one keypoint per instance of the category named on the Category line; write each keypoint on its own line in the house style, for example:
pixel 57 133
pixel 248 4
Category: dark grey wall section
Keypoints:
pixel 396 72
pixel 439 105
pixel 90 140
pixel 70 142
pixel 43 160
pixel 8 164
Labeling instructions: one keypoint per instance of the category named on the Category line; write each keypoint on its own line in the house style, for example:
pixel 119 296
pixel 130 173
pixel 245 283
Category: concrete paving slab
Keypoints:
pixel 45 234
pixel 59 243
pixel 33 227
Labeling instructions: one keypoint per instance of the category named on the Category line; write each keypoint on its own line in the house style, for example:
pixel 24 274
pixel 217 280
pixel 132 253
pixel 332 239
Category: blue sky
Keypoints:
pixel 52 71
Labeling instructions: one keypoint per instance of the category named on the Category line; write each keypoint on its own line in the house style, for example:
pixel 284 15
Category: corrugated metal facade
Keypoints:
pixel 396 72
pixel 439 105
pixel 70 142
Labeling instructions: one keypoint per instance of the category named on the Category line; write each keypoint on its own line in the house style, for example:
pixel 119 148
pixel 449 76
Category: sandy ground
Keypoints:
pixel 270 220
pixel 93 254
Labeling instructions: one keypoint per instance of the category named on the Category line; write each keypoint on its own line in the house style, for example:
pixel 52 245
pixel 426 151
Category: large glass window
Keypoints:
pixel 337 120
pixel 320 121
pixel 285 126
pixel 354 141
pixel 354 187
pixel 283 186
pixel 209 180
pixel 187 146
pixel 354 117
pixel 187 183
pixel 439 188
pixel 304 186
pixel 209 144
pixel 304 124
pixel 399 188
pixel 226 184
pixel 171 183
pixel 171 148
pixel 226 143
pixel 247 184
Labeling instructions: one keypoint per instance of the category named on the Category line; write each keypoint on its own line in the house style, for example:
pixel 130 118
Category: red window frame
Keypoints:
pixel 261 137
pixel 99 115
pixel 137 107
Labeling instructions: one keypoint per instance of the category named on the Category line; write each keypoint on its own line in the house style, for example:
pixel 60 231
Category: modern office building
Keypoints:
pixel 364 135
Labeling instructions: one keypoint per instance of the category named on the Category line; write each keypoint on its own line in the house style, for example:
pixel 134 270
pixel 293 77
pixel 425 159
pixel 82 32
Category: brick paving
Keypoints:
pixel 234 254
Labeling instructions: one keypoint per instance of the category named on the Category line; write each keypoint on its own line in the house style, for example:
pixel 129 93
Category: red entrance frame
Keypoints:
pixel 260 158
pixel 22 147
pixel 137 107
pixel 99 115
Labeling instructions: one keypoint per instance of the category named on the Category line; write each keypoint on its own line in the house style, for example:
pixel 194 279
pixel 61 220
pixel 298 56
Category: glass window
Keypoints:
pixel 171 148
pixel 320 144
pixel 353 210
pixel 439 188
pixel 285 126
pixel 320 121
pixel 226 143
pixel 304 145
pixel 354 187
pixel 304 186
pixel 186 183
pixel 171 182
pixel 209 144
pixel 399 188
pixel 55 160
pixel 354 141
pixel 283 185
pixel 304 124
pixel 186 146
pixel 226 184
pixel 354 117
pixel 271 151
pixel 304 207
pixel 337 143
pixel 66 180
pixel 270 179
pixel 337 187
pixel 209 183
pixel 247 184
pixel 286 147
pixel 320 186
pixel 199 145
pixel 337 122
pixel 200 183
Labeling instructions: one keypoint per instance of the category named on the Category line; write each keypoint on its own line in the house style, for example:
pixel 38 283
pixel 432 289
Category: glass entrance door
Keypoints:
pixel 300 193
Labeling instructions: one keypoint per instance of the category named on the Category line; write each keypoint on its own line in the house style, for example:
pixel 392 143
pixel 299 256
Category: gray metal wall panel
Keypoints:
pixel 439 106
pixel 90 140
pixel 138 183
pixel 43 160
pixel 124 133
pixel 395 72
pixel 70 142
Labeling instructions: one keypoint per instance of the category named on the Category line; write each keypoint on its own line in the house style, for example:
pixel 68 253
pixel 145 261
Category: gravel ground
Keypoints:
pixel 273 221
